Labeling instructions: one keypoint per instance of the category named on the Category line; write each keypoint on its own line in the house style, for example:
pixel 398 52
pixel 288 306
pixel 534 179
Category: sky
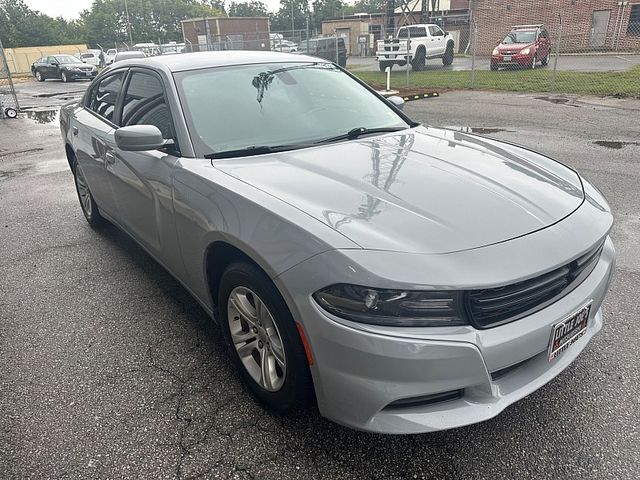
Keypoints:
pixel 71 9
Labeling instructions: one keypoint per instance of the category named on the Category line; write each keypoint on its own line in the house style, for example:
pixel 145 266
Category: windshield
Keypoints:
pixel 520 37
pixel 231 108
pixel 67 59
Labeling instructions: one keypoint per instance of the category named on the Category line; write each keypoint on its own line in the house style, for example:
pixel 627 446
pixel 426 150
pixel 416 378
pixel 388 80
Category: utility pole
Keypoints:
pixel 292 24
pixel 126 10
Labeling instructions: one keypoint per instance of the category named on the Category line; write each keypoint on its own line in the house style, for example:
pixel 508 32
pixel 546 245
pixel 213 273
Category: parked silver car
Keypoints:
pixel 408 278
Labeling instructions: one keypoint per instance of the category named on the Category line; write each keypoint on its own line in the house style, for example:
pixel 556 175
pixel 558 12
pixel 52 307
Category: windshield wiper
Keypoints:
pixel 255 150
pixel 358 132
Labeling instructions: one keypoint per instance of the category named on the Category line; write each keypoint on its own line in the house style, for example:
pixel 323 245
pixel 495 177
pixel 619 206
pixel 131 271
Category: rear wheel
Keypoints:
pixel 88 205
pixel 419 62
pixel 263 338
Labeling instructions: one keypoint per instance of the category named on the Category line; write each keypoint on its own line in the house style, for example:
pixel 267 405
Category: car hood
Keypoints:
pixel 513 46
pixel 76 65
pixel 422 190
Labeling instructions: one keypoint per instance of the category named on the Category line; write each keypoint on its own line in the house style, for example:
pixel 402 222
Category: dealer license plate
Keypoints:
pixel 506 58
pixel 568 331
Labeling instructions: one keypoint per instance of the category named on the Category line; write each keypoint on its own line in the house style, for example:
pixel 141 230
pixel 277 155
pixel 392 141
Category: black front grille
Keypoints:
pixel 496 306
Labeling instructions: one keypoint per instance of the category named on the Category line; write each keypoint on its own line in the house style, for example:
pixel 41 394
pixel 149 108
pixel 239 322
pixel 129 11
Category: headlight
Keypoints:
pixel 525 51
pixel 397 308
pixel 495 52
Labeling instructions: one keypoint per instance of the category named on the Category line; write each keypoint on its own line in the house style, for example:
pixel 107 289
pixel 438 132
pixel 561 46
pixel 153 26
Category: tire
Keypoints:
pixel 494 68
pixel 534 60
pixel 545 60
pixel 419 61
pixel 288 386
pixel 87 204
pixel 383 66
pixel 447 59
pixel 64 77
pixel 39 76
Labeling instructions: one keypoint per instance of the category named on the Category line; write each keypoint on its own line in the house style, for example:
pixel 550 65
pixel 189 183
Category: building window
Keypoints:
pixel 634 21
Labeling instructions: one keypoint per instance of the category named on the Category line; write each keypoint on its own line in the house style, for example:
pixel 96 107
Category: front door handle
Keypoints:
pixel 74 130
pixel 109 158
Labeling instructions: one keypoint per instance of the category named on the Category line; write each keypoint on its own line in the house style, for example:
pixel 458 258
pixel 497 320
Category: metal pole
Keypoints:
pixel 337 59
pixel 555 60
pixel 408 54
pixel 293 28
pixel 126 9
pixel 473 52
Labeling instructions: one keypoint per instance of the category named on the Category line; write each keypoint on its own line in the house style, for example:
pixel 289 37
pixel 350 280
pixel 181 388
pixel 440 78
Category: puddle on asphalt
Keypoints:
pixel 558 101
pixel 8 174
pixel 42 116
pixel 479 130
pixel 615 145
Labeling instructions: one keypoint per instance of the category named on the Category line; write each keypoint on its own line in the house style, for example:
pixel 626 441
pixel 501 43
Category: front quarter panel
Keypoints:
pixel 211 206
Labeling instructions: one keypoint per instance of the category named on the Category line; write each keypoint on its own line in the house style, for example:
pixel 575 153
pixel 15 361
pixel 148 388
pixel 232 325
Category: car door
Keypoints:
pixel 93 137
pixel 53 68
pixel 141 181
pixel 436 42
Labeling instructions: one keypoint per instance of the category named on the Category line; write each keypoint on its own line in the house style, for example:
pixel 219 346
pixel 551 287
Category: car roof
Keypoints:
pixel 197 60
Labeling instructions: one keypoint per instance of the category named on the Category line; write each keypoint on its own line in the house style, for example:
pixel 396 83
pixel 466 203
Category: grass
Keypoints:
pixel 626 84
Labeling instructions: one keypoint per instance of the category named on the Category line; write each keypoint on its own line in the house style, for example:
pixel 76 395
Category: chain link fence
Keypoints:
pixel 9 106
pixel 597 55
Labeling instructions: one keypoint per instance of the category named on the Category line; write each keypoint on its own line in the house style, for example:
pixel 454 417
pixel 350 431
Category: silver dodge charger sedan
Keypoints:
pixel 407 278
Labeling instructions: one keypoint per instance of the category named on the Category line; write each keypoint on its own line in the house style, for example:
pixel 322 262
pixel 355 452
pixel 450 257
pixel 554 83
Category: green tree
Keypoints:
pixel 281 20
pixel 253 8
pixel 326 9
pixel 151 20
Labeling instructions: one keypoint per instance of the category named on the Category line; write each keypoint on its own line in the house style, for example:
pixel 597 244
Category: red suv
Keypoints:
pixel 523 47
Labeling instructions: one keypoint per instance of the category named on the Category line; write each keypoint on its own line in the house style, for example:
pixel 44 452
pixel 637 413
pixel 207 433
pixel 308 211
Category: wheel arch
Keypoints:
pixel 221 253
pixel 71 156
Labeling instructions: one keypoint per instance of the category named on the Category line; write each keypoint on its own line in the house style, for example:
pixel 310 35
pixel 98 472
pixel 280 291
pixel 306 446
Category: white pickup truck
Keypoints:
pixel 416 43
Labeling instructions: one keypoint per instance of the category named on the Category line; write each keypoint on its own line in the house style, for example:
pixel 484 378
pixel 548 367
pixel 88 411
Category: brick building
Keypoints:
pixel 226 33
pixel 361 31
pixel 587 25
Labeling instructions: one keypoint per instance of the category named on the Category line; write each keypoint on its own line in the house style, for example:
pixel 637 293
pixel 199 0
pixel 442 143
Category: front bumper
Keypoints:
pixel 359 370
pixel 80 75
pixel 515 60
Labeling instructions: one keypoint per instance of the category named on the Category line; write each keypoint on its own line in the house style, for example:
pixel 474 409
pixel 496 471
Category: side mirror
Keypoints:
pixel 396 101
pixel 138 138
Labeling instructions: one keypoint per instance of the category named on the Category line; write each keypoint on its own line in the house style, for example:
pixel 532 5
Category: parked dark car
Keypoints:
pixel 326 48
pixel 523 47
pixel 62 67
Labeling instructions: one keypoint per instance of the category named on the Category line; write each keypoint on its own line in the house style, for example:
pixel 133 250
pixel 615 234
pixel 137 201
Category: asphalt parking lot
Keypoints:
pixel 569 63
pixel 110 370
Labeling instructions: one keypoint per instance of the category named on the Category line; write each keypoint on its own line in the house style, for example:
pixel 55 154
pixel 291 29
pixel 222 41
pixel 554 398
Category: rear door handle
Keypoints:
pixel 74 130
pixel 109 158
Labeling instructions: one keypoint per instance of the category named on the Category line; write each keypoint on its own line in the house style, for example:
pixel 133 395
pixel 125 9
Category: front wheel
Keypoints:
pixel 64 77
pixel 88 205
pixel 383 66
pixel 39 76
pixel 545 60
pixel 263 339
pixel 534 60
pixel 447 59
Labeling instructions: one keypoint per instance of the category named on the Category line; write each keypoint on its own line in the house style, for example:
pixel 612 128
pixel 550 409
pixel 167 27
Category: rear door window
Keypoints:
pixel 104 96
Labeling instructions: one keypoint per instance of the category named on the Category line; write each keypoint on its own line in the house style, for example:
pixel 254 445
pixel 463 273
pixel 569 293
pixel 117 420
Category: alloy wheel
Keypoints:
pixel 256 339
pixel 83 192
